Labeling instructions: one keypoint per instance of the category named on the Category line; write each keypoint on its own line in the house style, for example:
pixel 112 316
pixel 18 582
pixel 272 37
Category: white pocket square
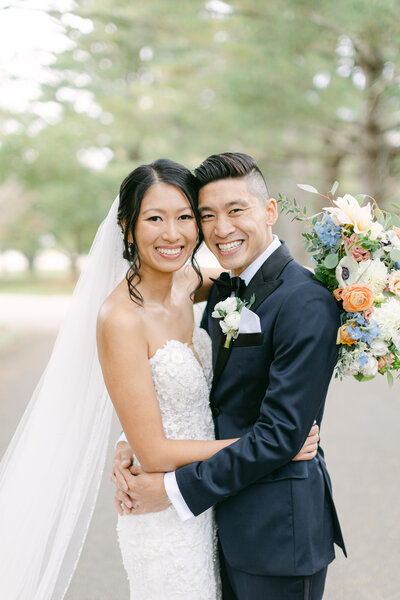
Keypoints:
pixel 249 322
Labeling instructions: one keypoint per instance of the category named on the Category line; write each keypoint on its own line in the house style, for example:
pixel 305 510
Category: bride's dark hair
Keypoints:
pixel 131 193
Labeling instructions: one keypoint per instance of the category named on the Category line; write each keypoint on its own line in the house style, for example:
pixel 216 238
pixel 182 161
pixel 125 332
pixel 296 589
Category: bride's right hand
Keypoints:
pixel 121 477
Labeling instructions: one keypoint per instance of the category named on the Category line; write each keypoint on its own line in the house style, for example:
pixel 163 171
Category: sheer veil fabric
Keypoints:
pixel 51 471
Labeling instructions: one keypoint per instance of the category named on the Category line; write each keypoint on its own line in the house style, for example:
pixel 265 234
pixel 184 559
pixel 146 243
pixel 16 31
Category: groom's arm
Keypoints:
pixel 305 355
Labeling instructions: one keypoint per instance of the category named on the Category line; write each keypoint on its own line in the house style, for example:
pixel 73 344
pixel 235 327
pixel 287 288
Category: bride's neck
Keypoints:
pixel 156 287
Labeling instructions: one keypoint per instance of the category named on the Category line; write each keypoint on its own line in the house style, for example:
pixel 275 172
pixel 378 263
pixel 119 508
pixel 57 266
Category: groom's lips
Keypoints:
pixel 228 248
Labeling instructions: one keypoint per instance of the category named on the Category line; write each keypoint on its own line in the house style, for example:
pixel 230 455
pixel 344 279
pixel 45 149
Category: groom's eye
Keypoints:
pixel 236 210
pixel 206 216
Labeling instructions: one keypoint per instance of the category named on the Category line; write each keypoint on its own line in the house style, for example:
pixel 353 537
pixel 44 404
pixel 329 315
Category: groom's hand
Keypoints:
pixel 147 492
pixel 310 448
pixel 121 477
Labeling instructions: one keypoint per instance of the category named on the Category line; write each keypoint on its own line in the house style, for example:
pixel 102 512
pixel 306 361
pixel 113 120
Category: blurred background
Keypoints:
pixel 89 89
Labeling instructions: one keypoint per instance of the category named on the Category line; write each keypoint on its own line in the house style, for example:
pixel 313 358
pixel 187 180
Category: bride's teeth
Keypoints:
pixel 230 246
pixel 169 251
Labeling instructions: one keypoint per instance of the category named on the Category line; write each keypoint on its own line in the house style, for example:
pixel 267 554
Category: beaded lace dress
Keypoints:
pixel 165 558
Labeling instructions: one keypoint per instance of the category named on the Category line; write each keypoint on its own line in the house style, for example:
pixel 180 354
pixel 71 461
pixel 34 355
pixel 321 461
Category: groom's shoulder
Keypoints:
pixel 298 281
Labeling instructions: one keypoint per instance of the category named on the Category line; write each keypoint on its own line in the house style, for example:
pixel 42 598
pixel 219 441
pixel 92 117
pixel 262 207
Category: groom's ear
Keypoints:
pixel 271 211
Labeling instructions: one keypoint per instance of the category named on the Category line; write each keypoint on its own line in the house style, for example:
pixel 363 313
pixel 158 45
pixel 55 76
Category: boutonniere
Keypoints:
pixel 229 312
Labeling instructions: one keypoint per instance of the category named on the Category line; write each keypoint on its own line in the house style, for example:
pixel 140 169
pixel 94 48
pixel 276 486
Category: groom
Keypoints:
pixel 276 518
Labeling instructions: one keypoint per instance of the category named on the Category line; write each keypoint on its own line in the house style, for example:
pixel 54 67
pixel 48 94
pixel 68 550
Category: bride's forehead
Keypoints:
pixel 165 196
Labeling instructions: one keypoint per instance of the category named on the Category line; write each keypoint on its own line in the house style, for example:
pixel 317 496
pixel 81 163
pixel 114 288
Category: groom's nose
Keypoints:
pixel 223 226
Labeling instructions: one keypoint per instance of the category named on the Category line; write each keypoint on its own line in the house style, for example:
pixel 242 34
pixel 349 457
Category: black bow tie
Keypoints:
pixel 227 284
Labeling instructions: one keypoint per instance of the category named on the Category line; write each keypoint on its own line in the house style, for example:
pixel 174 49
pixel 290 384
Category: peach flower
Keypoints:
pixel 368 312
pixel 357 252
pixel 338 293
pixel 343 336
pixel 394 282
pixel 357 298
pixel 397 231
pixel 385 361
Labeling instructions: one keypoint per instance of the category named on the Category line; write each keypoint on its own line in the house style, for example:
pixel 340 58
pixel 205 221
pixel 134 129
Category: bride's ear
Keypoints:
pixel 130 238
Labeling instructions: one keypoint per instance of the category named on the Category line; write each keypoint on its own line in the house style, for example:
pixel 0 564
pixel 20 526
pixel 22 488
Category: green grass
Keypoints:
pixel 43 283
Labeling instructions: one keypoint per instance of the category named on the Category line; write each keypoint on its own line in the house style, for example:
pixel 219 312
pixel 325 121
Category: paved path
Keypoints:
pixel 361 439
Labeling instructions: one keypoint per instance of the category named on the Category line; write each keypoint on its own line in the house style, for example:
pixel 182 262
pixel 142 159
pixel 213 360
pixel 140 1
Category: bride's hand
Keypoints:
pixel 310 448
pixel 147 492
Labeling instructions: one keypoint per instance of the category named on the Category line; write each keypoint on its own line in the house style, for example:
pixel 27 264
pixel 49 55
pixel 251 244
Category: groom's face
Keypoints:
pixel 236 224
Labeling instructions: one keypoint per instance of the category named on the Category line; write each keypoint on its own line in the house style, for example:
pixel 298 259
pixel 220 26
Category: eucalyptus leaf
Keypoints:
pixel 331 261
pixel 334 188
pixel 395 255
pixel 361 377
pixel 360 198
pixel 307 188
pixel 380 217
pixel 389 378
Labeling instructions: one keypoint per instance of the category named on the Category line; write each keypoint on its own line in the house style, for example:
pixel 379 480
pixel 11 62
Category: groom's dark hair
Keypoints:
pixel 232 165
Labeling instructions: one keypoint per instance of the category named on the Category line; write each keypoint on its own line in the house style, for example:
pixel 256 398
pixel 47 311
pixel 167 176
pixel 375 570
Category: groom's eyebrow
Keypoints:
pixel 236 202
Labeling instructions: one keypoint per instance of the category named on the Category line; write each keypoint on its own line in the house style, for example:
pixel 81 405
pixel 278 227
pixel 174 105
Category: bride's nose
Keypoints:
pixel 171 233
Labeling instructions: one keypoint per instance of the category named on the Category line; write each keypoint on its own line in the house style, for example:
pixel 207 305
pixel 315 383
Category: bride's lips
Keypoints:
pixel 228 248
pixel 170 252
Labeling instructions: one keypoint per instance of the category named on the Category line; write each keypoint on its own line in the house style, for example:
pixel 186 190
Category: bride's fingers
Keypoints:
pixel 314 431
pixel 124 502
pixel 311 441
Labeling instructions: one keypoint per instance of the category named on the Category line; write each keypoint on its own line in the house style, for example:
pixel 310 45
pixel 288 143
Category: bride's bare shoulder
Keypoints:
pixel 118 315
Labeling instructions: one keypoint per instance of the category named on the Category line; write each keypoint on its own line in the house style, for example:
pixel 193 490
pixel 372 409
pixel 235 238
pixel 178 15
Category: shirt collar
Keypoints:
pixel 252 269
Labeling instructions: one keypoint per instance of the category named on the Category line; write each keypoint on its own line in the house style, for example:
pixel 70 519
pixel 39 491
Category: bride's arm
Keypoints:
pixel 123 354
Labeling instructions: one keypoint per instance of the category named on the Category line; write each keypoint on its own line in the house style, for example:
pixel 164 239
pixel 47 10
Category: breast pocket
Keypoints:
pixel 245 340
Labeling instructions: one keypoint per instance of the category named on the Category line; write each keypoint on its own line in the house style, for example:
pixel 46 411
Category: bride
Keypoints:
pixel 157 368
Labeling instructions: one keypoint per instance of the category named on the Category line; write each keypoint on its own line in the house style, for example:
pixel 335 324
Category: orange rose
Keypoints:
pixel 343 336
pixel 397 231
pixel 394 282
pixel 357 298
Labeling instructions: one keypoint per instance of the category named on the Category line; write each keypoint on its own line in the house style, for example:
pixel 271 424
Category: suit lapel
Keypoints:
pixel 264 282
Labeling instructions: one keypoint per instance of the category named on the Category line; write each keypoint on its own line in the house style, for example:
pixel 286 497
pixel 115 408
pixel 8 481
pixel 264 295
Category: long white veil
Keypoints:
pixel 51 471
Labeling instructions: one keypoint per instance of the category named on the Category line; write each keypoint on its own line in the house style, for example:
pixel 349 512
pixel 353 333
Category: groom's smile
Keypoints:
pixel 236 223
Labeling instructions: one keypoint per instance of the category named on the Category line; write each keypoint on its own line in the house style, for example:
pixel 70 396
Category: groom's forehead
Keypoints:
pixel 224 192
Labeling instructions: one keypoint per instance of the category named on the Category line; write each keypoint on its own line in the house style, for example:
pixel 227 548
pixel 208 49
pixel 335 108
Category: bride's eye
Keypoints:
pixel 154 219
pixel 186 217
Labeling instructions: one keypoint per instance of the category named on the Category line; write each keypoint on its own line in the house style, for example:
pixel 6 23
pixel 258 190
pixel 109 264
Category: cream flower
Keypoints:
pixel 373 273
pixel 227 306
pixel 349 212
pixel 388 318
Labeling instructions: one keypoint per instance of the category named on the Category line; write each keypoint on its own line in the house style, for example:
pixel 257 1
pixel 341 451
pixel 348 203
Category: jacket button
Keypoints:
pixel 215 411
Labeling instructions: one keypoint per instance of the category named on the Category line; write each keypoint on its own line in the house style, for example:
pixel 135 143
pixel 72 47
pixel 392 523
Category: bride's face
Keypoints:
pixel 166 230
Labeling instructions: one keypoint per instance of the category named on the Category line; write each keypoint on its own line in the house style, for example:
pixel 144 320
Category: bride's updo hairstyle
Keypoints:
pixel 131 193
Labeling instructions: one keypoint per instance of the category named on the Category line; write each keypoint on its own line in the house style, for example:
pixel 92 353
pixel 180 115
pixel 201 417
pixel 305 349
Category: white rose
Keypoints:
pixel 371 368
pixel 391 236
pixel 379 347
pixel 229 305
pixel 232 322
pixel 349 212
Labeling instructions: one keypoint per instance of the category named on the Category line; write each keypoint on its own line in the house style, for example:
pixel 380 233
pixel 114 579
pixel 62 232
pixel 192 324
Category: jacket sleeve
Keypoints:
pixel 305 352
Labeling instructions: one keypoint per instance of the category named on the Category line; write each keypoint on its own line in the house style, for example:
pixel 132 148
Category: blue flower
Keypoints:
pixel 354 332
pixel 327 231
pixel 363 359
pixel 370 333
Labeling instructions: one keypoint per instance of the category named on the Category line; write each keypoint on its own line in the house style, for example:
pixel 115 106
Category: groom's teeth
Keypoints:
pixel 169 251
pixel 230 246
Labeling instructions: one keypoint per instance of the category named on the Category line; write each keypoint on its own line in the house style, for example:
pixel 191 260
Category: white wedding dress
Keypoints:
pixel 165 558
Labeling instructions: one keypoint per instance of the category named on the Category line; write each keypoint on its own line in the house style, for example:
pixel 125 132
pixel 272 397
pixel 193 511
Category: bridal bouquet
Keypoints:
pixel 355 249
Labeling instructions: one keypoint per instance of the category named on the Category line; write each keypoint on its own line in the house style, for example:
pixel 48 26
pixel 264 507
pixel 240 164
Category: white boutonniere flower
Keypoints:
pixel 229 312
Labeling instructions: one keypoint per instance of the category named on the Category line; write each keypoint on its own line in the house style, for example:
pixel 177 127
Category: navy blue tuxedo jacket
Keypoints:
pixel 274 516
